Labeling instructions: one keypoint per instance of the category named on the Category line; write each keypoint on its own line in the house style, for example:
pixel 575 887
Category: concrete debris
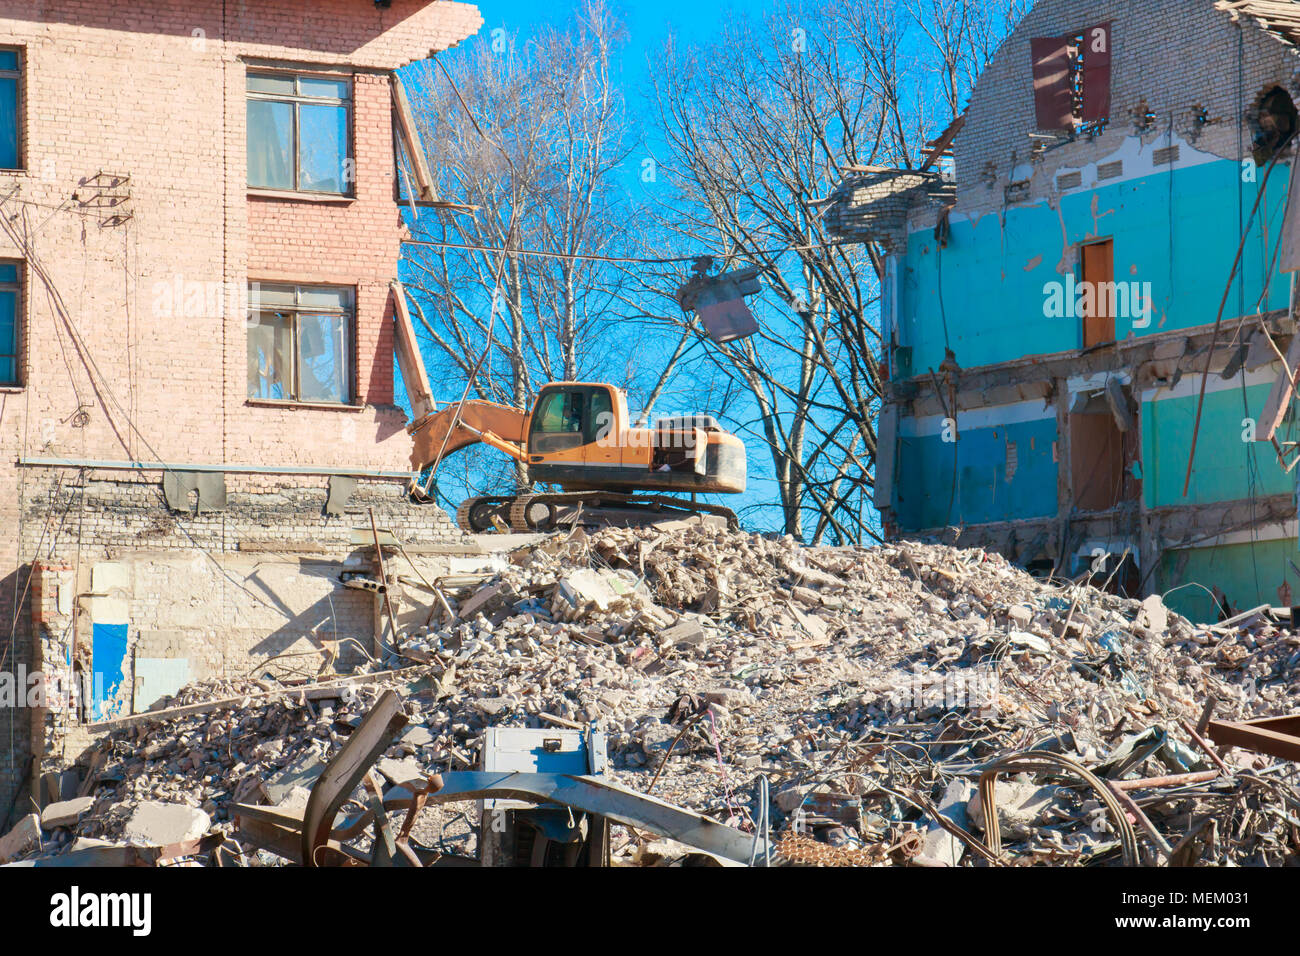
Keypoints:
pixel 23 837
pixel 66 813
pixel 941 847
pixel 870 686
pixel 162 824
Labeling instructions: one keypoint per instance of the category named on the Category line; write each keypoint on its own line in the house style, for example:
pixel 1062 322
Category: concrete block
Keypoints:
pixel 108 576
pixel 941 848
pixel 24 836
pixel 162 824
pixel 156 678
pixel 66 813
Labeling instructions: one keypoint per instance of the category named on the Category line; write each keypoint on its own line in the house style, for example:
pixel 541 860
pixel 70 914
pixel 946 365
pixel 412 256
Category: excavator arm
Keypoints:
pixel 434 438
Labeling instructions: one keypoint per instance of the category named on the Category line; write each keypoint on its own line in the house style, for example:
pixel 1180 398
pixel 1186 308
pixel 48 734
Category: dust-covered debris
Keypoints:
pixel 870 686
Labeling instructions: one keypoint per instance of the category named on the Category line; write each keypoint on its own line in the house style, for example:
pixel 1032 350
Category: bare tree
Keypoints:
pixel 760 126
pixel 752 132
pixel 552 106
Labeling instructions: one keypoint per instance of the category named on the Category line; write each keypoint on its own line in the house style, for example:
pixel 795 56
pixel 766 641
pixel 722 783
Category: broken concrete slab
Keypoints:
pixel 583 591
pixel 486 599
pixel 416 735
pixel 732 698
pixel 1022 807
pixel 66 813
pixel 161 824
pixel 1032 642
pixel 1021 615
pixel 1154 615
pixel 401 772
pixel 942 848
pixel 23 837
pixel 684 633
pixel 303 771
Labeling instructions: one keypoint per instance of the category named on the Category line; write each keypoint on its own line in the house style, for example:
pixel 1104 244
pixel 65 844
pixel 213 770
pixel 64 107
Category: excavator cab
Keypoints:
pixel 569 416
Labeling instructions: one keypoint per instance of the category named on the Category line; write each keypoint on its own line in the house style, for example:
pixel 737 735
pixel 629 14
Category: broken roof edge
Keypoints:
pixel 873 203
pixel 1267 16
pixel 435 27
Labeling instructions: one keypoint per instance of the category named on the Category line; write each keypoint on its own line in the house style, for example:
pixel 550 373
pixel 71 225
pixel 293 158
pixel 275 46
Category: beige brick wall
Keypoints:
pixel 156 92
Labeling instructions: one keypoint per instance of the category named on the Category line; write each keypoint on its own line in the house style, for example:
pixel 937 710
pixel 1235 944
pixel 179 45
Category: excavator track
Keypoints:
pixel 475 514
pixel 545 511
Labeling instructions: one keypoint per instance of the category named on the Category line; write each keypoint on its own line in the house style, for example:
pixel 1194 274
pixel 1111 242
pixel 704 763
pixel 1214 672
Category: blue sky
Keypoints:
pixel 699 386
pixel 647 24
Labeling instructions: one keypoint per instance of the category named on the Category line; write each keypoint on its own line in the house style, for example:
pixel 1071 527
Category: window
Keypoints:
pixel 567 418
pixel 300 343
pixel 10 99
pixel 9 299
pixel 299 136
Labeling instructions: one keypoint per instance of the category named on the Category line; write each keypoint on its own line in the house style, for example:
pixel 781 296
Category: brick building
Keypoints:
pixel 1052 293
pixel 200 229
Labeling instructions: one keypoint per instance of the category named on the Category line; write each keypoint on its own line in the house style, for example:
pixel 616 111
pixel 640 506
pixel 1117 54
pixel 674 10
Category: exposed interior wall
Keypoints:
pixel 1227 466
pixel 1176 229
pixel 1248 574
pixel 141 598
pixel 1167 187
pixel 1003 469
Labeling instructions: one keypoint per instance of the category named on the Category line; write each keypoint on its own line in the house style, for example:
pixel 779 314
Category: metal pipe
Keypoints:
pixel 227 469
pixel 1173 780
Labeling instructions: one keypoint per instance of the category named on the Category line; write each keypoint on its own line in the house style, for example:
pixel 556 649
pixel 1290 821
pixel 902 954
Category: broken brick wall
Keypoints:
pixel 255 587
pixel 1167 57
pixel 1166 187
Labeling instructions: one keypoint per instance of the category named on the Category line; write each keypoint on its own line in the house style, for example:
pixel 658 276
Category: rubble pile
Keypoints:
pixel 869 687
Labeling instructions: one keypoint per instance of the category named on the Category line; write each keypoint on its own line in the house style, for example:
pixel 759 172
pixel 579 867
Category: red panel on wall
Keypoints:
pixel 1096 73
pixel 1052 83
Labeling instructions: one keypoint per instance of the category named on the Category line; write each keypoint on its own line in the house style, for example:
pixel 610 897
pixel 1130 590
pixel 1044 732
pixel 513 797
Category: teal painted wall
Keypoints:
pixel 924 486
pixel 1177 230
pixel 1225 465
pixel 1234 568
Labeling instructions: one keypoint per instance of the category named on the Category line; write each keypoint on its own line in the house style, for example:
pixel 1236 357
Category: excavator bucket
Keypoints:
pixel 434 436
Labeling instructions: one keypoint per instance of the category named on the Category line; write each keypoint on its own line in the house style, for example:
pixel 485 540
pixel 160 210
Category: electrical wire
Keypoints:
pixel 594 257
pixel 496 287
pixel 1218 320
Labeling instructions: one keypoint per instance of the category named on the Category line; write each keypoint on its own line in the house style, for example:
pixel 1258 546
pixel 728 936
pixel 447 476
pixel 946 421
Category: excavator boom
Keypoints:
pixel 434 438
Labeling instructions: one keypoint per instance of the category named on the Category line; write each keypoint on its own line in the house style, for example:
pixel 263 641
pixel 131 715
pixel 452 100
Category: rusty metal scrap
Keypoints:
pixel 1275 736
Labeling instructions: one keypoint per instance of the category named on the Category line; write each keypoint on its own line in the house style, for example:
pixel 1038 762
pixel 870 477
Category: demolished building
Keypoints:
pixel 1063 318
pixel 739 694
pixel 201 230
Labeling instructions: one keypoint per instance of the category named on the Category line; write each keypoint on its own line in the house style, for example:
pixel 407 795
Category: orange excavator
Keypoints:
pixel 578 436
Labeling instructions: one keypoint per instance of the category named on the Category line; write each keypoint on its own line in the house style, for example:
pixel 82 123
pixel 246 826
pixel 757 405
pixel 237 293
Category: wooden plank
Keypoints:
pixel 941 145
pixel 1279 397
pixel 886 451
pixel 409 359
pixel 410 134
